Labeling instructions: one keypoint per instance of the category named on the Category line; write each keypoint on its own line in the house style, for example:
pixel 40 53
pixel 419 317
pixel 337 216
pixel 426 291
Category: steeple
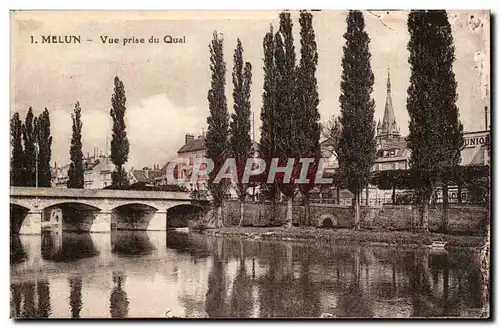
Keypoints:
pixel 389 126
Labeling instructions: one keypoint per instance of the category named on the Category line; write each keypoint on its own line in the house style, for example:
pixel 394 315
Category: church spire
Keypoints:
pixel 388 81
pixel 389 127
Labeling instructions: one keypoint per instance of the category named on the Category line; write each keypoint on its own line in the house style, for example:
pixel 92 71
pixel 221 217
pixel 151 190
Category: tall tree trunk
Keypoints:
pixel 338 195
pixel 444 227
pixel 242 210
pixel 307 210
pixel 459 194
pixel 393 194
pixel 289 209
pixel 424 215
pixel 356 211
pixel 273 212
pixel 367 194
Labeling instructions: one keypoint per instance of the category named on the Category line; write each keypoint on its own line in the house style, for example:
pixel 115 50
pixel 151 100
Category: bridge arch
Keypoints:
pixel 73 215
pixel 136 216
pixel 18 214
pixel 180 215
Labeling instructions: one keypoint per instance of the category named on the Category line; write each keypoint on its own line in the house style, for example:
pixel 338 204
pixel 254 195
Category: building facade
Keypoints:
pixel 96 174
pixel 146 177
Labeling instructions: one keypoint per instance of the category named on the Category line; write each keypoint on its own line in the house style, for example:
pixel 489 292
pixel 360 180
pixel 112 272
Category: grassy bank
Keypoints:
pixel 346 236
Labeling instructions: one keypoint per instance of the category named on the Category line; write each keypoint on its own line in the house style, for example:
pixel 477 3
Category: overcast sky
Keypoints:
pixel 166 84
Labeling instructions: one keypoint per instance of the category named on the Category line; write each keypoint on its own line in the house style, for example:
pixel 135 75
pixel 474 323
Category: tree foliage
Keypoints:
pixel 44 140
pixel 218 122
pixel 356 151
pixel 309 129
pixel 240 141
pixel 29 129
pixel 268 115
pixel 16 159
pixel 75 171
pixel 436 134
pixel 119 143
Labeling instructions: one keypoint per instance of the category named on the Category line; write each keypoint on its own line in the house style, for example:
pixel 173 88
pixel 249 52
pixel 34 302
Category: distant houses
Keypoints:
pixel 97 172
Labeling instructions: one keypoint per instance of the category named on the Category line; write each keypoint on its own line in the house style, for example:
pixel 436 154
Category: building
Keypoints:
pixel 476 148
pixel 146 176
pixel 392 152
pixel 192 149
pixel 96 174
pixel 60 176
pixel 98 170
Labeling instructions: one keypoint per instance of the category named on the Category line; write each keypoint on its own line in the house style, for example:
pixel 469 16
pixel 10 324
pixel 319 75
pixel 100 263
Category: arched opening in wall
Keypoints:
pixel 327 223
pixel 135 216
pixel 180 215
pixel 69 217
pixel 17 215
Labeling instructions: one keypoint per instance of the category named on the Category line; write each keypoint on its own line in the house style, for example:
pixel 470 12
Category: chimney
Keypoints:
pixel 188 138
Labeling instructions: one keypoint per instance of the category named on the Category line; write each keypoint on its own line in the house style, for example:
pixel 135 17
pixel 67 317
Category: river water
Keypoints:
pixel 129 274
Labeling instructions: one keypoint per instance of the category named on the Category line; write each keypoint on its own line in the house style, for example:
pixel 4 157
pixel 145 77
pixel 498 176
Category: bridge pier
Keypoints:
pixel 102 222
pixel 158 222
pixel 32 224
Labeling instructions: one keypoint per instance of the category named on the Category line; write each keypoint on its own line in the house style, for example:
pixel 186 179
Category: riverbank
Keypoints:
pixel 347 236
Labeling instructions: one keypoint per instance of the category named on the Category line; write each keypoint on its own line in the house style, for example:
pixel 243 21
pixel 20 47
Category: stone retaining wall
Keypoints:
pixel 463 219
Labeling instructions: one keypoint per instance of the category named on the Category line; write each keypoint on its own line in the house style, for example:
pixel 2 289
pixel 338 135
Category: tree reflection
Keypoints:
pixel 75 296
pixel 215 300
pixel 31 300
pixel 353 301
pixel 118 301
pixel 241 302
pixel 424 302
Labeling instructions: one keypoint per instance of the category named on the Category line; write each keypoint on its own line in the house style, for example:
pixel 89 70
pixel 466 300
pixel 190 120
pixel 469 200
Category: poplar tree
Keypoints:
pixel 436 134
pixel 119 144
pixel 45 149
pixel 356 151
pixel 29 156
pixel 240 141
pixel 309 129
pixel 286 105
pixel 75 171
pixel 216 140
pixel 268 116
pixel 16 159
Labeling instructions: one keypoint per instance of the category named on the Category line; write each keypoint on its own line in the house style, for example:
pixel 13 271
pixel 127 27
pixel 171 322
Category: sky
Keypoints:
pixel 166 85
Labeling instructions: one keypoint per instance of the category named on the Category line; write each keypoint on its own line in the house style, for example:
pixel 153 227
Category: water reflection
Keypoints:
pixel 30 299
pixel 17 253
pixel 192 275
pixel 67 246
pixel 118 300
pixel 131 243
pixel 75 298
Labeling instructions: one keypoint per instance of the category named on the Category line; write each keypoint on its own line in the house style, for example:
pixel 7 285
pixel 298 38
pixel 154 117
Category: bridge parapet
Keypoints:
pixel 97 193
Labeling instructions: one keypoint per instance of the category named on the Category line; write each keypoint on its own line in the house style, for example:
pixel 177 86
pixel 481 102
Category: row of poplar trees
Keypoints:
pixel 31 144
pixel 290 119
pixel 289 116
pixel 34 135
pixel 119 143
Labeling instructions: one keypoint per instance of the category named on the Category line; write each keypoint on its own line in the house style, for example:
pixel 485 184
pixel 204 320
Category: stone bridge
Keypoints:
pixel 96 210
